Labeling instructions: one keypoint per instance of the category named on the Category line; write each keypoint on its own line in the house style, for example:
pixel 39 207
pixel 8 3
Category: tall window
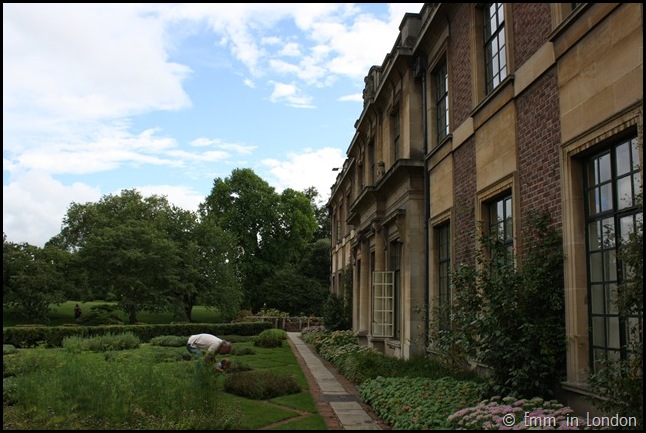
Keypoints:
pixel 501 222
pixel 443 235
pixel 494 46
pixel 612 182
pixel 441 102
pixel 395 122
pixel 383 290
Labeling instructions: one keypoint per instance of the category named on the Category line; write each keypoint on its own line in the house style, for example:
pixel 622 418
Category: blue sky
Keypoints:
pixel 166 98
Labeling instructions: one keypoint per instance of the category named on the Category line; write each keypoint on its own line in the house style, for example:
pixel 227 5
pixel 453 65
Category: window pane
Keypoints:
pixel 610 265
pixel 599 331
pixel 596 267
pixel 606 197
pixel 608 233
pixel 604 168
pixel 613 332
pixel 623 159
pixel 626 227
pixel 598 299
pixel 624 192
pixel 611 301
pixel 594 235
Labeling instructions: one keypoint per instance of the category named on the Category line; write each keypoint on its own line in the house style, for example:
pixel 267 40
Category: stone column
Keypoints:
pixel 364 289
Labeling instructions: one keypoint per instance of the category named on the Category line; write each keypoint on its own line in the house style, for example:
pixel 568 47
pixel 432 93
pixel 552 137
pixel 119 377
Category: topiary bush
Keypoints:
pixel 270 338
pixel 260 385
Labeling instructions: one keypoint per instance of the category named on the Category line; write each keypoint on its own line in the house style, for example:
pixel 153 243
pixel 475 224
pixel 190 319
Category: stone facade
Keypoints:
pixel 565 89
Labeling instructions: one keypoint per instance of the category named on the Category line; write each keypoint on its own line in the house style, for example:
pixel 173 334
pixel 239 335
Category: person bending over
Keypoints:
pixel 210 346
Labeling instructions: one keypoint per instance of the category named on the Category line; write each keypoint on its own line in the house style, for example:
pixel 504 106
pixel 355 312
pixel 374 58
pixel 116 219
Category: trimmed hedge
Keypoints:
pixel 52 336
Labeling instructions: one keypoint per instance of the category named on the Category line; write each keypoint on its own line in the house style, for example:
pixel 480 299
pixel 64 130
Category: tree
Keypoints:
pixel 290 291
pixel 208 275
pixel 146 254
pixel 31 279
pixel 271 230
pixel 322 213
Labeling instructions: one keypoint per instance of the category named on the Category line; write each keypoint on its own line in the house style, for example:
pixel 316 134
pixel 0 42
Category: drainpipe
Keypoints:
pixel 420 72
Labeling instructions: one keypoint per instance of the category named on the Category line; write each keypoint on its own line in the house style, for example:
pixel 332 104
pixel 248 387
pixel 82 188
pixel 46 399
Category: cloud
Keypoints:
pixel 291 95
pixel 303 170
pixel 118 67
pixel 33 206
pixel 184 197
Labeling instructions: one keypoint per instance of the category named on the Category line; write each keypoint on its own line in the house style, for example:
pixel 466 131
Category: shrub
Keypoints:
pixel 101 343
pixel 335 317
pixel 336 338
pixel 510 413
pixel 270 338
pixel 360 363
pixel 9 387
pixel 168 341
pixel 260 385
pixel 242 351
pixel 8 349
pixel 508 311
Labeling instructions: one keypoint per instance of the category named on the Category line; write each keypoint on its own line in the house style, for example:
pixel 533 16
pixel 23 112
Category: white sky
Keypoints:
pixel 165 98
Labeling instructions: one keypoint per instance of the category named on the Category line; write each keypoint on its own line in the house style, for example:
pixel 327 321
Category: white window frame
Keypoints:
pixel 383 303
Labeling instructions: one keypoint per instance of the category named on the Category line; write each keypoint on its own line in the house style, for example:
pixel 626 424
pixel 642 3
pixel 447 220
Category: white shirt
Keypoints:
pixel 207 342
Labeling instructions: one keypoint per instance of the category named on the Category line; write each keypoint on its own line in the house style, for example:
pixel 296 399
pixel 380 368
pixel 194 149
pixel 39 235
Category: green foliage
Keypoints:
pixel 148 255
pixel 240 351
pixel 33 278
pixel 271 230
pixel 8 349
pixel 335 339
pixel 508 312
pixel 618 385
pixel 168 341
pixel 418 403
pixel 270 338
pixel 102 343
pixel 148 388
pixel 289 290
pixel 260 385
pixel 85 392
pixel 360 363
pixel 334 313
pixel 102 314
pixel 337 310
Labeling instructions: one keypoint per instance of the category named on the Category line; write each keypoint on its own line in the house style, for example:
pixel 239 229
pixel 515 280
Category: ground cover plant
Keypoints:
pixel 86 386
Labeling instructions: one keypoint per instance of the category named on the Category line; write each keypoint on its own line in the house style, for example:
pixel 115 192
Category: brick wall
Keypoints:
pixel 538 132
pixel 460 73
pixel 464 181
pixel 535 16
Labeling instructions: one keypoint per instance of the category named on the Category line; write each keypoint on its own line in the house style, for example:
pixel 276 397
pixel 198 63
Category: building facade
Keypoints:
pixel 479 114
